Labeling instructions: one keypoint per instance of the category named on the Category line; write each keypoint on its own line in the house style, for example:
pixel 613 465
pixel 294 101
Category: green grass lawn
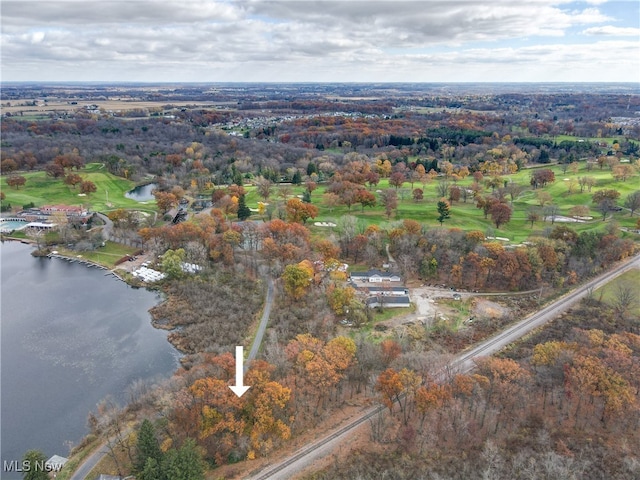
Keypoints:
pixel 378 317
pixel 389 313
pixel 467 217
pixel 608 140
pixel 41 190
pixel 608 292
pixel 457 312
pixel 106 255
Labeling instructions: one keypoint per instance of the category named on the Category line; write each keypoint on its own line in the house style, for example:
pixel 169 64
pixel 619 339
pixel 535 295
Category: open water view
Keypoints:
pixel 70 337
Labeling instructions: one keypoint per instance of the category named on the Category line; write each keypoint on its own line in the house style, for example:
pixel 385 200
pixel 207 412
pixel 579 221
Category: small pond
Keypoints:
pixel 142 193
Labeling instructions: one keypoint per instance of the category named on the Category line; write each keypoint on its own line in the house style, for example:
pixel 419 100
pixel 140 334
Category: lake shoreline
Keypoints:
pixel 84 340
pixel 156 322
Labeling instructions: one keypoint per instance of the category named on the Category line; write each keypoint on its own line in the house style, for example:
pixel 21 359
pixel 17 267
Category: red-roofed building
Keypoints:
pixel 69 210
pixel 74 213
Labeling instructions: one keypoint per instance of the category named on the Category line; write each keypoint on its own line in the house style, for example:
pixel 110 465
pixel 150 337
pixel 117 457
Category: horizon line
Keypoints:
pixel 454 82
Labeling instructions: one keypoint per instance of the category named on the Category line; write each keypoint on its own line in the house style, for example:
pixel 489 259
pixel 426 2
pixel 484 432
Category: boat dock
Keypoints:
pixel 85 262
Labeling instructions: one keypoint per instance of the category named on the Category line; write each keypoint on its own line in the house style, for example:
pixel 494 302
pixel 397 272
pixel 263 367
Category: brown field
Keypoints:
pixel 115 105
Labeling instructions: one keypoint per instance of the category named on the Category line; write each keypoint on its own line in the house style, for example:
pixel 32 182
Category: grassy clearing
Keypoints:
pixel 608 140
pixel 456 313
pixel 41 190
pixel 608 292
pixel 106 255
pixel 389 313
pixel 16 234
pixel 380 316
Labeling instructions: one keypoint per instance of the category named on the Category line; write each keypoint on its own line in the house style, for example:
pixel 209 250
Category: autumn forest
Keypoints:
pixel 488 203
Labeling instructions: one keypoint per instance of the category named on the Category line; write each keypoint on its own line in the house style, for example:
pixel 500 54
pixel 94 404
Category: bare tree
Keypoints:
pixel 551 212
pixel 632 202
pixel 284 192
pixel 513 190
pixel 112 423
pixel 264 187
pixel 605 206
pixel 379 427
pixel 533 215
pixel 390 201
pixel 625 298
pixel 443 188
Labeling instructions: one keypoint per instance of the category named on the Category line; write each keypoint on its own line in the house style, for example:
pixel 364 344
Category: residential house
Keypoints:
pixel 384 289
pixel 380 289
pixel 400 301
pixel 375 276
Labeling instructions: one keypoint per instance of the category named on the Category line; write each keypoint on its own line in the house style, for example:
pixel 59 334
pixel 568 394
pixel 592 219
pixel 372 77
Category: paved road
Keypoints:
pixel 108 225
pixel 90 462
pixel 268 303
pixel 463 363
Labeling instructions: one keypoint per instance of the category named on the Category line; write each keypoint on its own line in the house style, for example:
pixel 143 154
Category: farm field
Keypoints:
pixel 41 190
pixel 42 111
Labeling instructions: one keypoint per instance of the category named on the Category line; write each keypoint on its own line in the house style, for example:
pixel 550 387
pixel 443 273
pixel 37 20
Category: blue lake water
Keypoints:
pixel 70 336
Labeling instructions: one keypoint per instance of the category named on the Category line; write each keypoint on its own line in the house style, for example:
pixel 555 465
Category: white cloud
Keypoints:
pixel 107 12
pixel 298 41
pixel 37 37
pixel 610 30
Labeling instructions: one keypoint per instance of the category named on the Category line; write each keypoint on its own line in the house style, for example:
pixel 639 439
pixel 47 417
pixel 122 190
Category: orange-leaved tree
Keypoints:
pixel 228 426
pixel 319 366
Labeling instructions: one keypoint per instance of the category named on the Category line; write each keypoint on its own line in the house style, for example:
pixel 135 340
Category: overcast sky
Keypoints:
pixel 324 41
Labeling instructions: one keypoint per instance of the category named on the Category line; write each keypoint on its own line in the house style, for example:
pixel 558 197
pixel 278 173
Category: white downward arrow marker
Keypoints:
pixel 239 389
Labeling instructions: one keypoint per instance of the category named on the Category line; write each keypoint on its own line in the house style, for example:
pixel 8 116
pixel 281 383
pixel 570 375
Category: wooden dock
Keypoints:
pixel 87 263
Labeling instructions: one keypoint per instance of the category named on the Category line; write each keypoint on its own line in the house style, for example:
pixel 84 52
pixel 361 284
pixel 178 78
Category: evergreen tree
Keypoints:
pixel 151 471
pixel 243 210
pixel 443 210
pixel 147 447
pixel 34 459
pixel 185 463
pixel 544 157
pixel 297 178
pixel 311 168
pixel 237 178
pixel 306 196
